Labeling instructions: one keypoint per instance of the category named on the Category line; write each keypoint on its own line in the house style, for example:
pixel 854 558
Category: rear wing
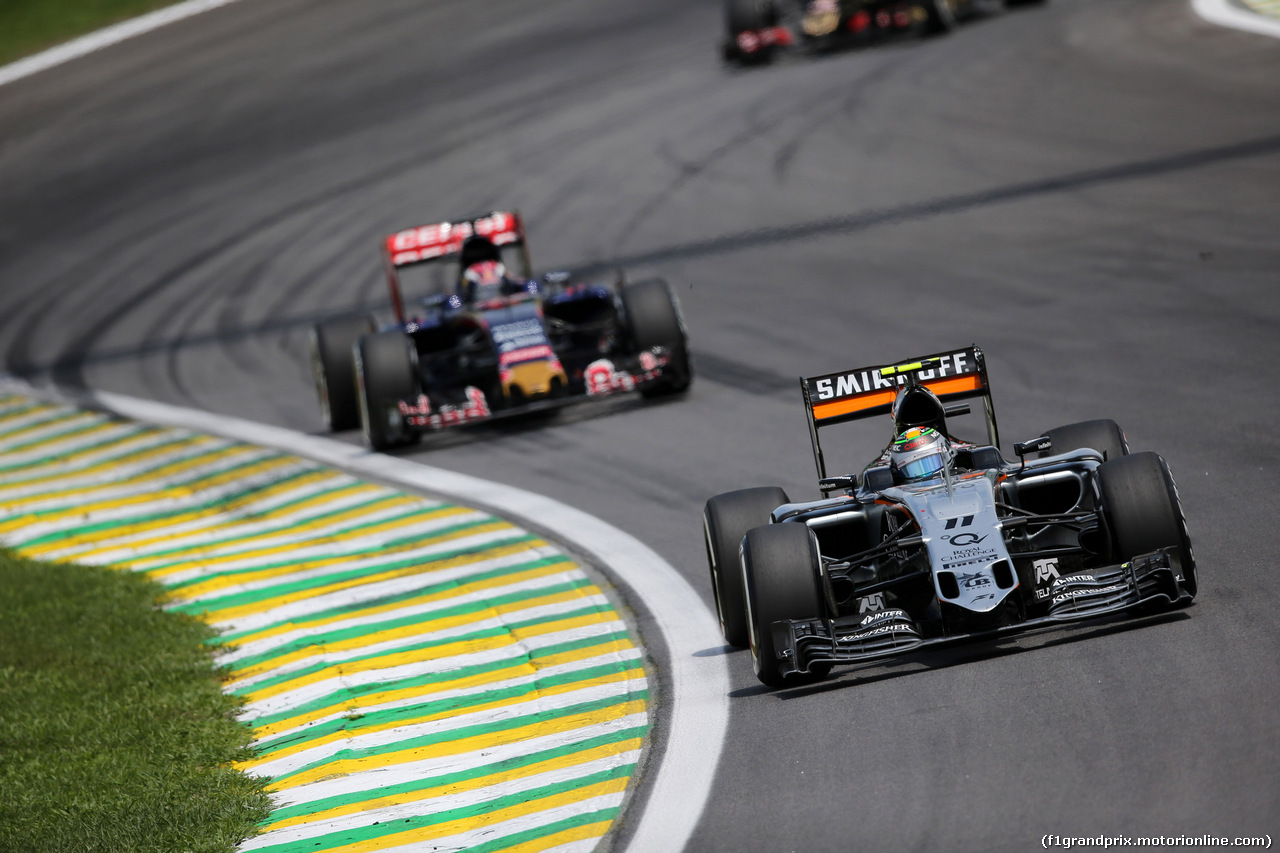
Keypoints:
pixel 865 392
pixel 442 241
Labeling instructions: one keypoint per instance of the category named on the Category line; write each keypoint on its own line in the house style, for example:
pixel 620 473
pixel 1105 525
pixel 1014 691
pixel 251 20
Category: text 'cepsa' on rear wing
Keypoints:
pixel 865 392
pixel 443 241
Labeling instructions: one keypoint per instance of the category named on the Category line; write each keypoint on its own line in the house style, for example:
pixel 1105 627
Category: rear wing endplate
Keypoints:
pixel 865 392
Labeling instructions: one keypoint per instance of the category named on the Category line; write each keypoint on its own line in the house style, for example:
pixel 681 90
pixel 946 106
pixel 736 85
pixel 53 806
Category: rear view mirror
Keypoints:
pixel 1035 445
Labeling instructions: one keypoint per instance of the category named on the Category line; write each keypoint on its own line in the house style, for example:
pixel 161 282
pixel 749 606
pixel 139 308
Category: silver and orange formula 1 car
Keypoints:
pixel 886 563
pixel 476 337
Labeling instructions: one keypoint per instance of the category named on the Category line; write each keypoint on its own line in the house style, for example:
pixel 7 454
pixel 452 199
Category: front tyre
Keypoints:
pixel 725 520
pixel 652 317
pixel 333 368
pixel 1104 436
pixel 780 566
pixel 385 374
pixel 1143 511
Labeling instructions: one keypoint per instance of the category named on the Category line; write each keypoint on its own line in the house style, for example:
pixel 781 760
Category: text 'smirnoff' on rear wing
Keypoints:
pixel 443 240
pixel 865 392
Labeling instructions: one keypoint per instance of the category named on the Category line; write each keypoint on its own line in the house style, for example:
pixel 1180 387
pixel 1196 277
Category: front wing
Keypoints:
pixel 1145 580
pixel 601 378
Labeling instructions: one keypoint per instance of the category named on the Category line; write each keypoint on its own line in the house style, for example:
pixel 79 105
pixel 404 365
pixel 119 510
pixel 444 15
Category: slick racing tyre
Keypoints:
pixel 385 374
pixel 725 520
pixel 780 576
pixel 1142 508
pixel 747 16
pixel 333 366
pixel 1104 436
pixel 942 17
pixel 652 318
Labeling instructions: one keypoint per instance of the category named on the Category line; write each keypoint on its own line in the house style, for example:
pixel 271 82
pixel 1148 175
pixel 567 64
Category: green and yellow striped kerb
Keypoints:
pixel 417 675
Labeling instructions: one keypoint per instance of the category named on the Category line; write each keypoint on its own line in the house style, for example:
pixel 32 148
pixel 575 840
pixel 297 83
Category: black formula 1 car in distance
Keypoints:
pixel 757 29
pixel 957 544
pixel 473 341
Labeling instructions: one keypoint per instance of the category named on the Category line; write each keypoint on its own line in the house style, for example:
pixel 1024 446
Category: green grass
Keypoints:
pixel 114 731
pixel 29 26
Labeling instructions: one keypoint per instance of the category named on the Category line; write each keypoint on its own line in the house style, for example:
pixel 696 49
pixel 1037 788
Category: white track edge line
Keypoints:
pixel 1224 13
pixel 106 37
pixel 698 704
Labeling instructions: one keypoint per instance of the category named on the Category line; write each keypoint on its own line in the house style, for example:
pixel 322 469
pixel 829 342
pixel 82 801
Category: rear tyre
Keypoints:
pixel 741 16
pixel 780 576
pixel 942 17
pixel 725 520
pixel 748 15
pixel 1104 436
pixel 652 317
pixel 385 374
pixel 1143 511
pixel 333 367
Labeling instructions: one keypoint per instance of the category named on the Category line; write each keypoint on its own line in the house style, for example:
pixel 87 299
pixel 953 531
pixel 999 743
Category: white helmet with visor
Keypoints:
pixel 920 453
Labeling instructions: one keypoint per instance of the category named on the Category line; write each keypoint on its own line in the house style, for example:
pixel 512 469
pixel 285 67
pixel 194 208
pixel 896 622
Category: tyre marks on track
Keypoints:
pixel 417 675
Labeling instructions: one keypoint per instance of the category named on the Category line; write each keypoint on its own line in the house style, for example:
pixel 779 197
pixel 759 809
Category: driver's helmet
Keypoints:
pixel 919 454
pixel 477 248
pixel 483 280
pixel 917 406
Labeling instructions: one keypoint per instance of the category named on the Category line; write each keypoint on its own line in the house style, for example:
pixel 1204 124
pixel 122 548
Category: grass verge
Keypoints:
pixel 114 731
pixel 29 26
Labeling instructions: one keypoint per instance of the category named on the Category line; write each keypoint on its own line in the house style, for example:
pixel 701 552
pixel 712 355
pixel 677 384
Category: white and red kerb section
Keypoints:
pixel 445 238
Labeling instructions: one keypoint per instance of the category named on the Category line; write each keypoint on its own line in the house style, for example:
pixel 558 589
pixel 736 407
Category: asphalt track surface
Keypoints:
pixel 1088 190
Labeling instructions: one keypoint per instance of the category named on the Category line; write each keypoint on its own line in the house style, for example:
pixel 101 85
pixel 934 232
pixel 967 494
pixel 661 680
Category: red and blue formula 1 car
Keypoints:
pixel 477 337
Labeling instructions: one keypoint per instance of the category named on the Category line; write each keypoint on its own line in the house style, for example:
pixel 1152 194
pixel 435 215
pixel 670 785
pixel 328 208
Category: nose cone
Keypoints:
pixel 533 379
